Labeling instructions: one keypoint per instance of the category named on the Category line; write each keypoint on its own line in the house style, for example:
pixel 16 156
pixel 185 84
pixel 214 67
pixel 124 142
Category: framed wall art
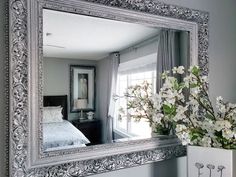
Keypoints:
pixel 82 88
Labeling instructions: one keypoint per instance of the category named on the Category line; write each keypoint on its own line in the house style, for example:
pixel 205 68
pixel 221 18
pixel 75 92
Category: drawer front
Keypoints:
pixel 92 130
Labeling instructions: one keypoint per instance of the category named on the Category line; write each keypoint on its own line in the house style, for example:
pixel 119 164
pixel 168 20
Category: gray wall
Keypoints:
pixel 222 76
pixel 57 77
pixel 168 168
pixel 144 48
pixel 2 89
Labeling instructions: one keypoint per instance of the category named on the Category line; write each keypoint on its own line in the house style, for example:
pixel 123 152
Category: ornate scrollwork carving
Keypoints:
pixel 6 84
pixel 18 86
pixel 110 163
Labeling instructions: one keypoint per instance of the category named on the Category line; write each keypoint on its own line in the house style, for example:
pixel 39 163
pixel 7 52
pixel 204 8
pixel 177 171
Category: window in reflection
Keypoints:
pixel 126 125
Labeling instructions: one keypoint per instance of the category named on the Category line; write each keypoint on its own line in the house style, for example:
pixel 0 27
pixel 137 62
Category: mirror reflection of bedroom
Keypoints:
pixel 97 74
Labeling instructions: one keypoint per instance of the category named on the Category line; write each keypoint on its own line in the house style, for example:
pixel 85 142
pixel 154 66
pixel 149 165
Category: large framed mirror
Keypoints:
pixel 71 62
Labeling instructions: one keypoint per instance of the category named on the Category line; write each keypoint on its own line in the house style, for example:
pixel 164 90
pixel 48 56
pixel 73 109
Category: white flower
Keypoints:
pixel 180 128
pixel 187 81
pixel 178 70
pixel 169 96
pixel 216 144
pixel 204 79
pixel 181 109
pixel 205 141
pixel 218 126
pixel 184 137
pixel 168 83
pixel 183 134
pixel 179 116
pixel 180 113
pixel 195 91
pixel 157 118
pixel 220 105
pixel 222 124
pixel 227 133
pixel 174 70
pixel 156 98
pixel 165 74
pixel 219 99
pixel 170 101
pixel 208 125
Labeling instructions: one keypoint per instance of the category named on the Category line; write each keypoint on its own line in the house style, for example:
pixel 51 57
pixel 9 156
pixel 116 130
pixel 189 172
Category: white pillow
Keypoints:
pixel 52 114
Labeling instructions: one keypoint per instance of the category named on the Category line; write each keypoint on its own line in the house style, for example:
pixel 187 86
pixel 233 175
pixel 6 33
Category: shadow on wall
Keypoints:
pixel 170 168
pixel 3 98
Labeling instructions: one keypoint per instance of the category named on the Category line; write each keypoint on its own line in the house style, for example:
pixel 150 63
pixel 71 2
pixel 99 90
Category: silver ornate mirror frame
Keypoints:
pixel 25 86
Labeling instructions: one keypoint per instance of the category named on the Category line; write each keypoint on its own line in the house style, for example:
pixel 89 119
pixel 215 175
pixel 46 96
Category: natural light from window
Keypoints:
pixel 126 126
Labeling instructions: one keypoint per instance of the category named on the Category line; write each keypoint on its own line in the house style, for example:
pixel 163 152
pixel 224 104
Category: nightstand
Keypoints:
pixel 92 129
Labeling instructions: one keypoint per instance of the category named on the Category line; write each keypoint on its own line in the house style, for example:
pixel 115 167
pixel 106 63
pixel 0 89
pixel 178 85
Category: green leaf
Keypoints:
pixel 195 70
pixel 176 85
pixel 181 85
pixel 166 109
pixel 161 130
pixel 209 116
pixel 169 110
pixel 195 133
pixel 193 85
pixel 193 137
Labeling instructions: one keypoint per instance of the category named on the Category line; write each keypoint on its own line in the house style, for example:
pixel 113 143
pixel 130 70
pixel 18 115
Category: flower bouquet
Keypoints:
pixel 183 107
pixel 142 104
pixel 195 120
pixel 210 129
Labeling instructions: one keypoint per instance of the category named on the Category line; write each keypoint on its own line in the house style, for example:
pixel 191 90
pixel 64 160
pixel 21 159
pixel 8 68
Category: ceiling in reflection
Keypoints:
pixel 82 37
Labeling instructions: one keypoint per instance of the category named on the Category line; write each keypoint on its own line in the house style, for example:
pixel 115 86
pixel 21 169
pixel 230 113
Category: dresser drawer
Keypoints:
pixel 92 129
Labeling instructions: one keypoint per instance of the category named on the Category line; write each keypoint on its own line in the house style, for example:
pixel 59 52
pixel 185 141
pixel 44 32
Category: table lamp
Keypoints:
pixel 81 104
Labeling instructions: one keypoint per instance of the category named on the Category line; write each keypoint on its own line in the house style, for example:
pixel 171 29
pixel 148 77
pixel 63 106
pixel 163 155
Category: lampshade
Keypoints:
pixel 81 103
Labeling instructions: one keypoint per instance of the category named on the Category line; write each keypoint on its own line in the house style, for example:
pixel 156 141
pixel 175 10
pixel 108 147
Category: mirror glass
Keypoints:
pixel 88 65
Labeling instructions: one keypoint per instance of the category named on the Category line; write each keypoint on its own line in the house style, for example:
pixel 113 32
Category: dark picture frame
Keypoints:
pixel 82 87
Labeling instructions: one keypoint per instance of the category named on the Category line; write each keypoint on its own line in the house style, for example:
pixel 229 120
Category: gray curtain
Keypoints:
pixel 168 54
pixel 112 80
pixel 184 39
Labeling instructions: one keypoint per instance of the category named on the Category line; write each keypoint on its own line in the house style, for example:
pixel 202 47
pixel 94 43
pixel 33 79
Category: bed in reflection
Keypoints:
pixel 58 132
